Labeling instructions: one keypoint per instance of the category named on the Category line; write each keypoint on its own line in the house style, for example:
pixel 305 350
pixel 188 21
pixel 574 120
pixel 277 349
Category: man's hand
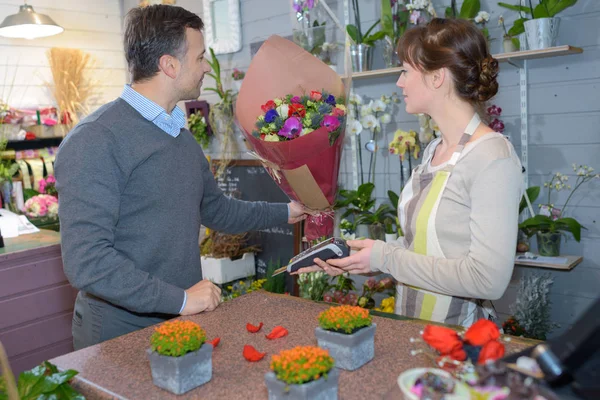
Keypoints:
pixel 203 296
pixel 298 212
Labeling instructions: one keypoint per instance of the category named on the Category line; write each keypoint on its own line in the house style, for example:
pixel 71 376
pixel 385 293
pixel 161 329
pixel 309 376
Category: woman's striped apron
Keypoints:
pixel 417 209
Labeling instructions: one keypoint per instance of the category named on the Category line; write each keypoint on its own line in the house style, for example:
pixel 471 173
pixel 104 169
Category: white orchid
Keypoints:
pixel 379 106
pixel 355 126
pixel 386 118
pixel 366 109
pixel 370 122
pixel 482 17
pixel 355 99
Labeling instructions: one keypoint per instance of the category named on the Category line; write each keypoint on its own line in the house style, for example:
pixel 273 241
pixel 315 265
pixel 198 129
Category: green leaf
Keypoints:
pixel 540 11
pixel 387 20
pixel 449 13
pixel 394 198
pixel 29 379
pixel 371 28
pixel 365 190
pixel 353 33
pixel 533 193
pixel 570 225
pixel 556 6
pixel 469 9
pixel 517 27
pixel 516 43
pixel 67 392
pixel 518 8
pixel 370 40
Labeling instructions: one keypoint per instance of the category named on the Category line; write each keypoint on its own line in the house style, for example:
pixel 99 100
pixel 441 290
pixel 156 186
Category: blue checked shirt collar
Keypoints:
pixel 171 124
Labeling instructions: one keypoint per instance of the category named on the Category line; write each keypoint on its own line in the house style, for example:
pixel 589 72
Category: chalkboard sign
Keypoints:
pixel 248 180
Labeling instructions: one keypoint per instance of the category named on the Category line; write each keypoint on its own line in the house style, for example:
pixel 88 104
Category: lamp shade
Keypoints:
pixel 27 24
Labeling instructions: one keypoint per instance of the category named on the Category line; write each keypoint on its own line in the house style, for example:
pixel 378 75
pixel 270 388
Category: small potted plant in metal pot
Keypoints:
pixel 348 332
pixel 302 373
pixel 180 358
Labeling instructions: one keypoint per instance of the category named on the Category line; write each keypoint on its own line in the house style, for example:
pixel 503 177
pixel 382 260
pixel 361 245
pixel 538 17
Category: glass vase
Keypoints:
pixel 390 58
pixel 548 243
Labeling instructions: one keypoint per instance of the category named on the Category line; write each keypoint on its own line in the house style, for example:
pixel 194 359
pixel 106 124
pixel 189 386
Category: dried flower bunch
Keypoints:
pixel 177 338
pixel 71 87
pixel 222 245
pixel 301 364
pixel 345 319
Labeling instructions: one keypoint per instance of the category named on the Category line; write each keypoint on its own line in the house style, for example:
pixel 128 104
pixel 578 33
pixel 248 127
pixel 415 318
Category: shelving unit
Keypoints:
pixel 572 261
pixel 512 58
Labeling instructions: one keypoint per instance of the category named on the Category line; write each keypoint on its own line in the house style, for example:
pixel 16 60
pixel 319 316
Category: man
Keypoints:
pixel 134 187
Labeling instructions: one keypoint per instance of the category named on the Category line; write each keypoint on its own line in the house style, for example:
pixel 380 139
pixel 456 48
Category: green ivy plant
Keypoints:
pixel 544 9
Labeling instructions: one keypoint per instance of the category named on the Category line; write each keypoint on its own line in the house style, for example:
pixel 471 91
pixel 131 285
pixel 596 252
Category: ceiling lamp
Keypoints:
pixel 27 24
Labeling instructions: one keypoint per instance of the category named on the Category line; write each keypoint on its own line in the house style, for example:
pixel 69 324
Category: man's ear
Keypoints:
pixel 438 77
pixel 169 65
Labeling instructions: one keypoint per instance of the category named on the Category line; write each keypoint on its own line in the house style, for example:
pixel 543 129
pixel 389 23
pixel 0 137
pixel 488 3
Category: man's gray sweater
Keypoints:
pixel 132 199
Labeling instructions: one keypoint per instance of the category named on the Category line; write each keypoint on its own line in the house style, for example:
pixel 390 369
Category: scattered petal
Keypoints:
pixel 215 342
pixel 252 328
pixel 251 354
pixel 277 332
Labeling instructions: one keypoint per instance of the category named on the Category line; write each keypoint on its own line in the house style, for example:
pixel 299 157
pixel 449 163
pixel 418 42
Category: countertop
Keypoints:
pixel 119 368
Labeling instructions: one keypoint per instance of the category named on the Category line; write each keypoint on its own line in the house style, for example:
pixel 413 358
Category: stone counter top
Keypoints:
pixel 119 368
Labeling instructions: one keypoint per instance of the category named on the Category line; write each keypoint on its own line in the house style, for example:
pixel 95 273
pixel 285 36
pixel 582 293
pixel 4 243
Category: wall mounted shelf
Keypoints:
pixel 503 57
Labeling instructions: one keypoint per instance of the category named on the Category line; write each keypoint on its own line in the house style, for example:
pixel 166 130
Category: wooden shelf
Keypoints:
pixel 572 261
pixel 503 57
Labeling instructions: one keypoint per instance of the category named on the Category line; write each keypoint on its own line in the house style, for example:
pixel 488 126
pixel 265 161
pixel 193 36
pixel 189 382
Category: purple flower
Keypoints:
pixel 291 128
pixel 271 115
pixel 330 122
pixel 297 7
pixel 371 283
pixel 295 99
pixel 310 4
pixel 330 100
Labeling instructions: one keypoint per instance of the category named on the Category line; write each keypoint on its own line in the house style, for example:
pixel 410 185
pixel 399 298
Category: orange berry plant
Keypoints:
pixel 301 364
pixel 344 319
pixel 177 338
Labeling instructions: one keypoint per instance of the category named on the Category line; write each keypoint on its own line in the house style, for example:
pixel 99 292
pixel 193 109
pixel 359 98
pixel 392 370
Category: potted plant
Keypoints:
pixel 549 223
pixel 394 21
pixel 361 49
pixel 375 220
pixel 390 232
pixel 348 332
pixel 356 202
pixel 509 43
pixel 372 286
pixel 540 24
pixel 180 358
pixel 303 373
pixel 198 127
pixel 471 10
pixel 225 258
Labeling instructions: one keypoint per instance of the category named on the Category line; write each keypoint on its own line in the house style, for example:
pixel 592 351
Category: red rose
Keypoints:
pixel 444 340
pixel 269 105
pixel 482 332
pixel 315 96
pixel 297 110
pixel 491 351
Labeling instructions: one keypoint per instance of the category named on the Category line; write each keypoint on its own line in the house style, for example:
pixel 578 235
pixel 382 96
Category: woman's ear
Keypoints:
pixel 438 77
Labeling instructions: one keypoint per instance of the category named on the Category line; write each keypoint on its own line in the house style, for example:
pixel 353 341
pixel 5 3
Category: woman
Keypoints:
pixel 459 210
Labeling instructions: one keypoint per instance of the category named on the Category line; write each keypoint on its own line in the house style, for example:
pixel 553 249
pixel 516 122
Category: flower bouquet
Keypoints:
pixel 42 210
pixel 292 111
pixel 180 358
pixel 348 332
pixel 302 373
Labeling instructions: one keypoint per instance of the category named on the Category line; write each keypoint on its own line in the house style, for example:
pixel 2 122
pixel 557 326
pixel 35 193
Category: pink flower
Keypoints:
pixel 497 125
pixel 494 110
pixel 331 123
pixel 50 179
pixel 337 112
pixel 295 100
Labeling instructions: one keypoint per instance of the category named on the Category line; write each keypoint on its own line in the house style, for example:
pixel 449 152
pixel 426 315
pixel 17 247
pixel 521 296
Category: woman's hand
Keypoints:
pixel 320 265
pixel 357 263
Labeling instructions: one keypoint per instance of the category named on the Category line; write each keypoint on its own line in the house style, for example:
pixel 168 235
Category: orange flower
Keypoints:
pixel 482 332
pixel 444 340
pixel 344 318
pixel 176 338
pixel 301 364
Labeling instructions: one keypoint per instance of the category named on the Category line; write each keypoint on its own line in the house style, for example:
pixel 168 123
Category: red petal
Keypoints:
pixel 491 351
pixel 215 342
pixel 253 329
pixel 277 332
pixel 444 340
pixel 482 332
pixel 251 354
